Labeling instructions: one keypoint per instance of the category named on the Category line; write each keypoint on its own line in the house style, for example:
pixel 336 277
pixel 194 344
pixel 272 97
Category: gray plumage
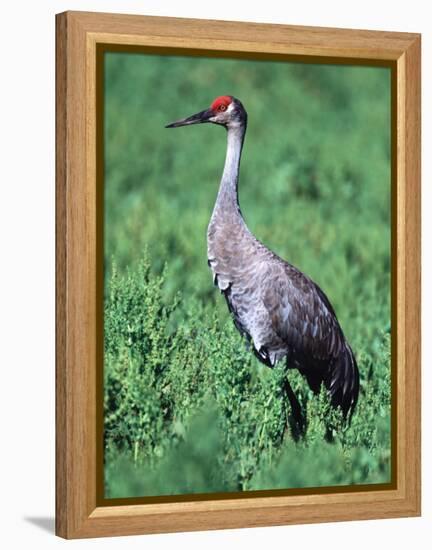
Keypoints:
pixel 277 307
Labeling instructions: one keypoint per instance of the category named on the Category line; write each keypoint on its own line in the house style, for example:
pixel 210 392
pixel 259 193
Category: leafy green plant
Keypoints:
pixel 188 408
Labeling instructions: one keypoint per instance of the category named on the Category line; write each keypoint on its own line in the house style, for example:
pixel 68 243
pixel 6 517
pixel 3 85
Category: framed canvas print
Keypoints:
pixel 238 274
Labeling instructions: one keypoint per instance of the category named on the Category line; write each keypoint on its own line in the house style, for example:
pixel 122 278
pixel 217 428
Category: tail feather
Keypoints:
pixel 343 381
pixel 340 377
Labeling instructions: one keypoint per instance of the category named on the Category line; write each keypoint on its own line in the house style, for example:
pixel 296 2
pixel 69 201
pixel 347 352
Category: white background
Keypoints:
pixel 27 271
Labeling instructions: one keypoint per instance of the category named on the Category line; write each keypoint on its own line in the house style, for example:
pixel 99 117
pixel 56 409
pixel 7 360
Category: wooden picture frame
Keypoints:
pixel 80 39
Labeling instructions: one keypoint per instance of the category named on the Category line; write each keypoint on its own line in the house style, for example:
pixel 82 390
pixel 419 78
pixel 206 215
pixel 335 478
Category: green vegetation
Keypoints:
pixel 188 409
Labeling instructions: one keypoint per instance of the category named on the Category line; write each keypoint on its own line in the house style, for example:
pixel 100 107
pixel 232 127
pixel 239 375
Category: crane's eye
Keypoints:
pixel 222 107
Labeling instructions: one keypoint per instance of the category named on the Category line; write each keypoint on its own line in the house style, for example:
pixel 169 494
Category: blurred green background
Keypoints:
pixel 188 408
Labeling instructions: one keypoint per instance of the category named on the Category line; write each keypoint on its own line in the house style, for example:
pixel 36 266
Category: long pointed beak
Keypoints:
pixel 199 118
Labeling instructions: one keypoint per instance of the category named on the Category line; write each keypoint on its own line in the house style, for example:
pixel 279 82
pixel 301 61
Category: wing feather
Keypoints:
pixel 302 315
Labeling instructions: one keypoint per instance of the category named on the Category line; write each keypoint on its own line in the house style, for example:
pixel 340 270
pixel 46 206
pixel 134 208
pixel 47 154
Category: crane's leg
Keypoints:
pixel 296 420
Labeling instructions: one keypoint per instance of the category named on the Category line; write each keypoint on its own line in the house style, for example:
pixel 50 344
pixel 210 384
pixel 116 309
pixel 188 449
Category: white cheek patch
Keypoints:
pixel 230 108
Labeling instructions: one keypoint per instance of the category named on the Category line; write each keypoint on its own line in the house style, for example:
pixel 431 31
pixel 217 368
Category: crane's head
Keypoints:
pixel 225 110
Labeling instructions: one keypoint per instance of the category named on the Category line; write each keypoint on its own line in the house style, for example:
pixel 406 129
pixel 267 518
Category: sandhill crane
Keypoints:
pixel 277 307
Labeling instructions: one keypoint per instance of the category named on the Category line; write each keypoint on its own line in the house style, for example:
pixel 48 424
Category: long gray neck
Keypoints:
pixel 227 199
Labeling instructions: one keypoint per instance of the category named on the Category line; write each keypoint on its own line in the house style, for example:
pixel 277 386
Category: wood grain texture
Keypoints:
pixel 76 320
pixel 61 252
pixel 252 37
pixel 78 34
pixel 412 263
